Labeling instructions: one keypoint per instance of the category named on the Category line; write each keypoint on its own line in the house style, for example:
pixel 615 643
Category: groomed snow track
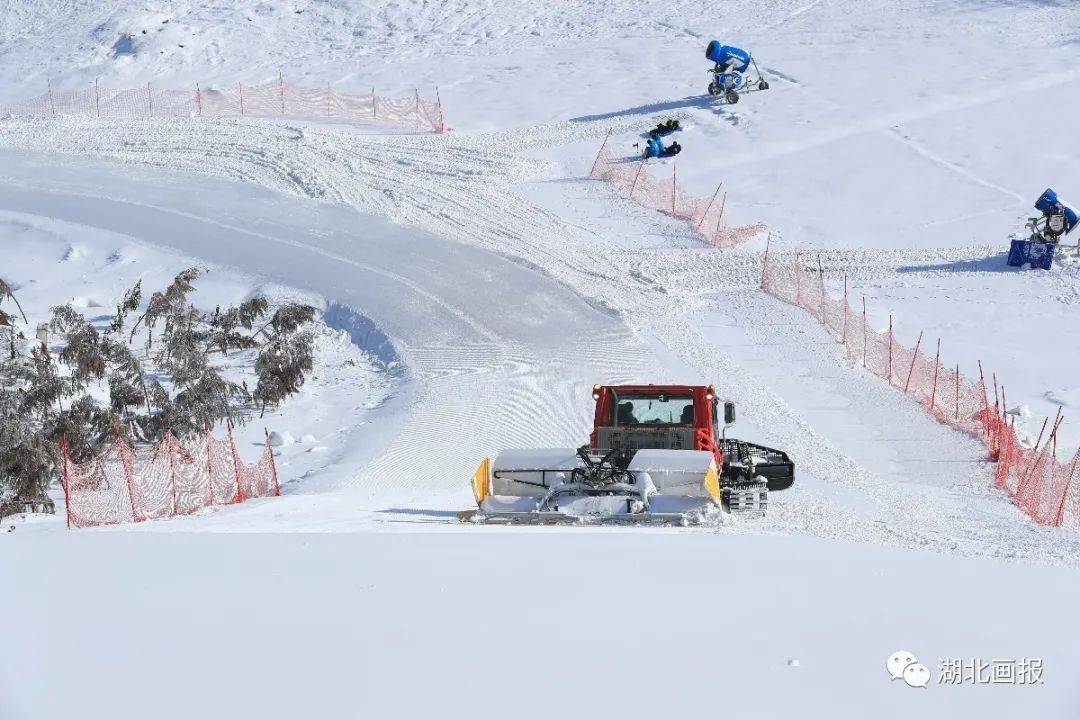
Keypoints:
pixel 503 357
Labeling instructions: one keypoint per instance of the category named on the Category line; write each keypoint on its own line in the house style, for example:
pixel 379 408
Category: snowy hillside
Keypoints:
pixel 903 142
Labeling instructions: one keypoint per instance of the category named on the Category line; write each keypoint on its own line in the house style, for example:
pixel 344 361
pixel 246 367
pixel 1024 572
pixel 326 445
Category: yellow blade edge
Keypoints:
pixel 481 481
pixel 712 483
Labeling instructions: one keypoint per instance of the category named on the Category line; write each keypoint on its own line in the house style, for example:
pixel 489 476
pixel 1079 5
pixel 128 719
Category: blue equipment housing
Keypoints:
pixel 730 72
pixel 654 148
pixel 723 54
pixel 1037 254
pixel 1050 204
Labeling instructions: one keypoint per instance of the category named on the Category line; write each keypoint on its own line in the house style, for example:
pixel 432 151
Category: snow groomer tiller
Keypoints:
pixel 730 72
pixel 1057 220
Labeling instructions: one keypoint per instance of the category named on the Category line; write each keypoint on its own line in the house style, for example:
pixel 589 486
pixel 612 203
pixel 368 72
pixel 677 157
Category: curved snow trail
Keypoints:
pixel 477 394
pixel 904 138
pixel 498 354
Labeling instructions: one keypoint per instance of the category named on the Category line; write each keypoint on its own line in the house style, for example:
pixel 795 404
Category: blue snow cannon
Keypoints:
pixel 731 58
pixel 730 65
pixel 1057 220
pixel 1058 217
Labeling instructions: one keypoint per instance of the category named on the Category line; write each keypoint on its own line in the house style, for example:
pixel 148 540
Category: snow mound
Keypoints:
pixel 281 439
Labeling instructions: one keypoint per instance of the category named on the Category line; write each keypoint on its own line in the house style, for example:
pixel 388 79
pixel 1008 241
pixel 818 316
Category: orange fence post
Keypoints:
pixel 937 364
pixel 1004 412
pixel 281 90
pixel 129 472
pixel 765 259
pixel 821 287
pixel 798 281
pixel 719 220
pixel 169 439
pixel 1065 494
pixel 442 118
pixel 1000 417
pixel 957 415
pixel 636 176
pixel 864 331
pixel 847 311
pixel 1037 457
pixel 1034 451
pixel 890 349
pixel 67 477
pixel 986 399
pixel 236 467
pixel 592 171
pixel 709 207
pixel 273 464
pixel 912 368
pixel 673 188
pixel 209 463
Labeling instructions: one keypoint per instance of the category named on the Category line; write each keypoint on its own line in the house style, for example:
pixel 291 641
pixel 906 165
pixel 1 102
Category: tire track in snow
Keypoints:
pixel 897 134
pixel 476 399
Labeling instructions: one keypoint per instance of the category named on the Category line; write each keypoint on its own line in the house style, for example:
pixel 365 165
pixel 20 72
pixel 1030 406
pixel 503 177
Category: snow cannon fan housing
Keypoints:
pixel 1058 219
pixel 724 55
pixel 731 65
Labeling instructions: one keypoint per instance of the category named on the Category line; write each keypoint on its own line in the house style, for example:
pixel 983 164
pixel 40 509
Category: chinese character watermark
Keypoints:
pixel 999 671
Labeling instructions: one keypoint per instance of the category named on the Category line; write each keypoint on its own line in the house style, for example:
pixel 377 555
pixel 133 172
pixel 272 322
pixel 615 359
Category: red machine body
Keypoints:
pixel 705 419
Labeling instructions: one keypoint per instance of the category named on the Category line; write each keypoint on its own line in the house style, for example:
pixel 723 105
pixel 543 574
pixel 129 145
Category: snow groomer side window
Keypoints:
pixel 654 410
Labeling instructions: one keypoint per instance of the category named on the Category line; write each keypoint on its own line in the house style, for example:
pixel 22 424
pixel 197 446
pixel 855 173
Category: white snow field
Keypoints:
pixel 902 141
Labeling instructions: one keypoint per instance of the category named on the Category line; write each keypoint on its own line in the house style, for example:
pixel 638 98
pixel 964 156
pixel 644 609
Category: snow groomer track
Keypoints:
pixel 492 351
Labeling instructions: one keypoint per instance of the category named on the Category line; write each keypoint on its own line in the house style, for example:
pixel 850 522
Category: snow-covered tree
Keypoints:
pixel 176 388
pixel 285 360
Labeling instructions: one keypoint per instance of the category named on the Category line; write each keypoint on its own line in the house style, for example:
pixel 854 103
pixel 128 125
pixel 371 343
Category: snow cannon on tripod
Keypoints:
pixel 1057 220
pixel 729 72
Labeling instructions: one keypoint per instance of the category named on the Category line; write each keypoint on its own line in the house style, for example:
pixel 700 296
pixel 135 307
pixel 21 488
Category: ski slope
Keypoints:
pixel 507 285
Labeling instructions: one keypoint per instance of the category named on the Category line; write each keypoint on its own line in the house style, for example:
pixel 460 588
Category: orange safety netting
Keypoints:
pixel 1034 476
pixel 126 484
pixel 278 99
pixel 706 217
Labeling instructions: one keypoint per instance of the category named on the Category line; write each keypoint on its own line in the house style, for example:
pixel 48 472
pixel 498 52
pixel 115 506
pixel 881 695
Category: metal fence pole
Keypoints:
pixel 937 364
pixel 890 349
pixel 709 207
pixel 764 260
pixel 636 176
pixel 864 331
pixel 67 477
pixel 599 152
pixel 847 310
pixel 673 188
pixel 913 358
pixel 281 91
pixel 957 415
